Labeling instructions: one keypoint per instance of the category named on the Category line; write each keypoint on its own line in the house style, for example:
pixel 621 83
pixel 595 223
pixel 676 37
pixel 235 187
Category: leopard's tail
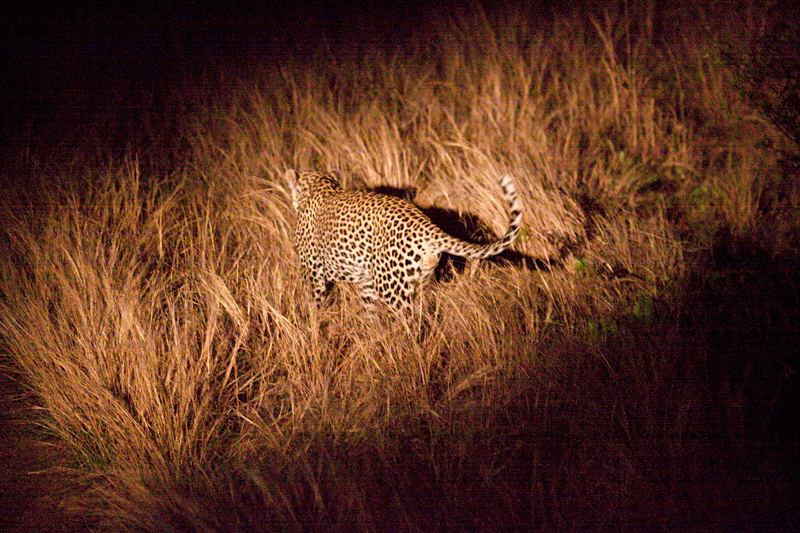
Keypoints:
pixel 480 251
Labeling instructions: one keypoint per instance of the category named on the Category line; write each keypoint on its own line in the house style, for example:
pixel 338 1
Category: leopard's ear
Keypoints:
pixel 290 179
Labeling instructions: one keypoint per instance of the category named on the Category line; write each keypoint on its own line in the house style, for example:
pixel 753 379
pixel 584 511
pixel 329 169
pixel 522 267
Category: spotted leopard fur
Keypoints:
pixel 384 245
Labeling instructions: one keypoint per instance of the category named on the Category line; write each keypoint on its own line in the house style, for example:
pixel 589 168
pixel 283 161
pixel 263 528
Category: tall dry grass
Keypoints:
pixel 173 347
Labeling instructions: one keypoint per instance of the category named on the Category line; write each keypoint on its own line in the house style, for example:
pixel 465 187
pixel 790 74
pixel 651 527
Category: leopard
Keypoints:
pixel 384 245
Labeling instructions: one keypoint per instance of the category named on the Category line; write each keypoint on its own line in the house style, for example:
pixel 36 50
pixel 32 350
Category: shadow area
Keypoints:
pixel 31 482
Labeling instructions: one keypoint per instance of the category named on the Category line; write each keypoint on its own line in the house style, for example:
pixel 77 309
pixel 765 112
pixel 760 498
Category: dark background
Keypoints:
pixel 53 50
pixel 68 67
